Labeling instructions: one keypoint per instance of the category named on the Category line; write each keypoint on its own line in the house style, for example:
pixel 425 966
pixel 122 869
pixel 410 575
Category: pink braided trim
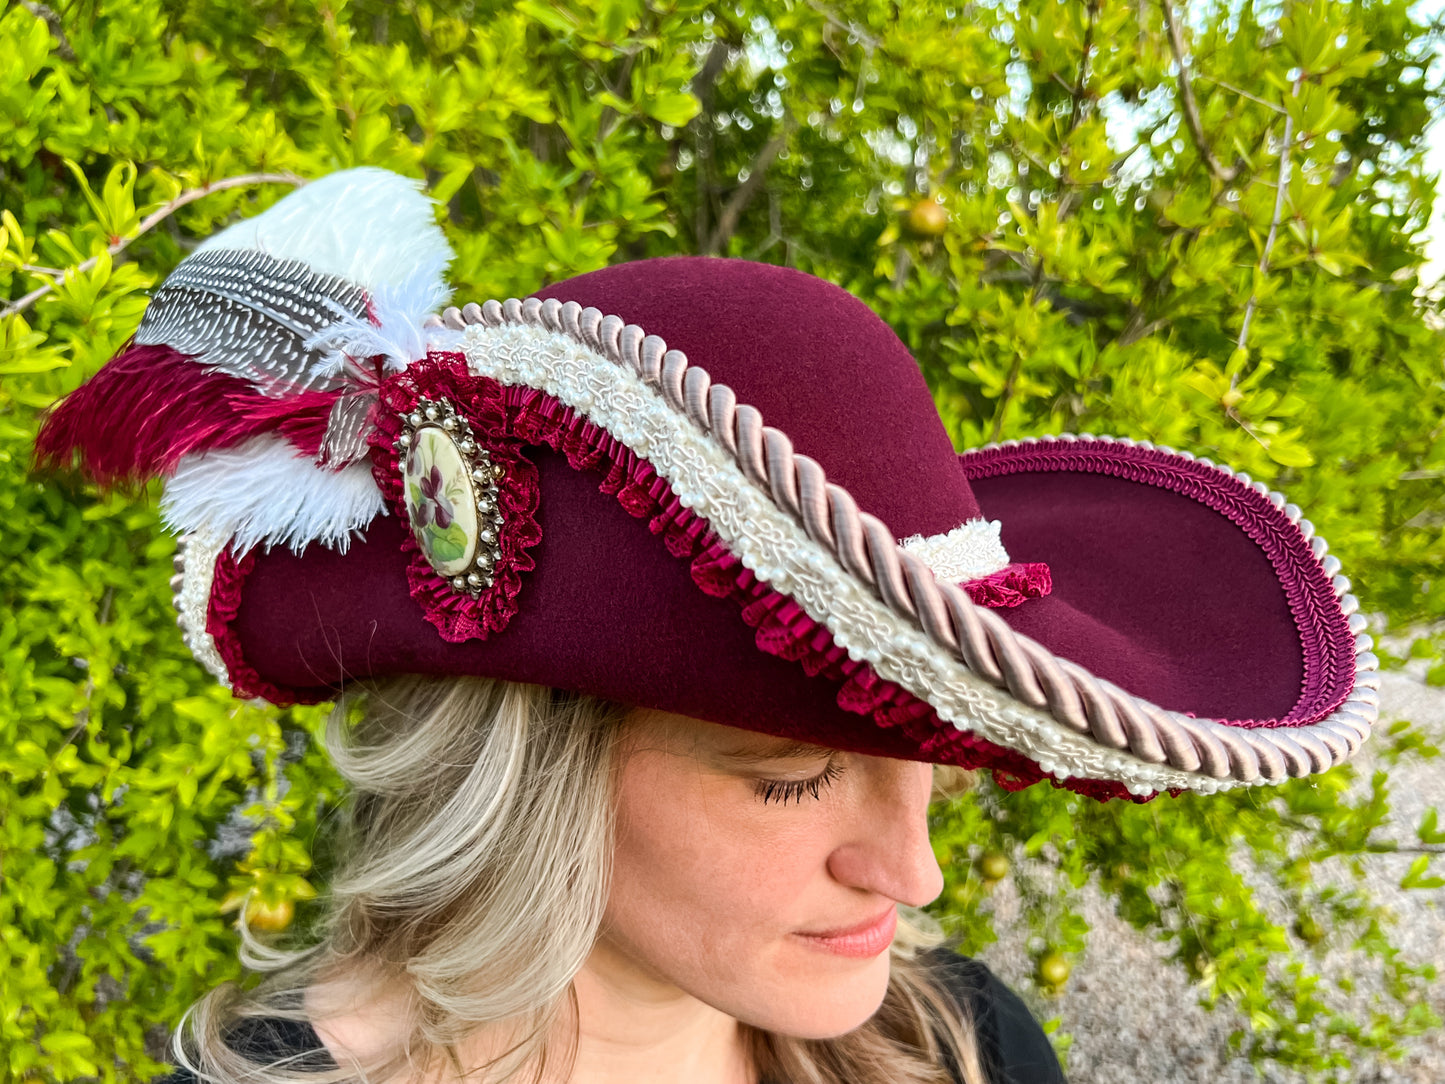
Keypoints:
pixel 1327 644
pixel 780 625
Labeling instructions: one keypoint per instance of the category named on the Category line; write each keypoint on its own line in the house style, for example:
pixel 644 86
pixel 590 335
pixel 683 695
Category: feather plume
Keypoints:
pixel 391 329
pixel 250 315
pixel 348 252
pixel 263 493
pixel 368 225
pixel 344 436
pixel 248 380
pixel 150 406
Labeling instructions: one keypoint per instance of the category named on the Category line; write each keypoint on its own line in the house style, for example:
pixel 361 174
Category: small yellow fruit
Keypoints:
pixel 268 918
pixel 1054 970
pixel 994 866
pixel 927 218
pixel 1309 929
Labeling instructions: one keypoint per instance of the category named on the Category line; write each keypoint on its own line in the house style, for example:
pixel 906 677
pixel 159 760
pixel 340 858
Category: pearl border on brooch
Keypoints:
pixel 478 482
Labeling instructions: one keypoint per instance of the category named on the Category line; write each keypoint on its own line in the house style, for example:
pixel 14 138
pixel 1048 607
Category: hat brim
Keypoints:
pixel 927 674
pixel 1173 578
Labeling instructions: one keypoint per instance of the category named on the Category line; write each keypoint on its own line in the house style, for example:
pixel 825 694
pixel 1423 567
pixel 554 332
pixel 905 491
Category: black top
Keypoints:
pixel 1012 1047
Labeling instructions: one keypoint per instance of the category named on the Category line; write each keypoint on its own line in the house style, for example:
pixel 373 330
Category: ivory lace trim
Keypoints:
pixel 774 545
pixel 196 555
pixel 970 551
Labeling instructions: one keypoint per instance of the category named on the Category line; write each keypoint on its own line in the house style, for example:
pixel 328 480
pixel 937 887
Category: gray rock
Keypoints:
pixel 1134 1015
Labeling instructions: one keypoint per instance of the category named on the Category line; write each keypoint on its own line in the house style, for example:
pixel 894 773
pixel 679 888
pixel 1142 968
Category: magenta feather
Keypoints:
pixel 151 405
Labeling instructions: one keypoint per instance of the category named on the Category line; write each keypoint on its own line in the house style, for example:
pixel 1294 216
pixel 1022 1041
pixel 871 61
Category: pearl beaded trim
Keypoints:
pixel 776 511
pixel 195 565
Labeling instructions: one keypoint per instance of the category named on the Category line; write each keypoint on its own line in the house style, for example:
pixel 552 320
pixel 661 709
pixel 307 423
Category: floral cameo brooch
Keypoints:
pixel 446 458
pixel 451 495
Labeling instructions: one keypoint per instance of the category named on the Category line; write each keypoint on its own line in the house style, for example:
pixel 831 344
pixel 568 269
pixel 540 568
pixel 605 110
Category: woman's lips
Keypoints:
pixel 862 942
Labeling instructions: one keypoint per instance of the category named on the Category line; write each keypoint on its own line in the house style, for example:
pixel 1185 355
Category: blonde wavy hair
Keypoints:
pixel 472 881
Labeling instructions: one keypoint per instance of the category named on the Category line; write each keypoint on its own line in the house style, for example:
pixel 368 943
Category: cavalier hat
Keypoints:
pixel 708 486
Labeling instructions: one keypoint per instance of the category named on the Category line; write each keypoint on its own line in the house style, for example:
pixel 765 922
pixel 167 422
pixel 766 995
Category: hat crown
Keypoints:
pixel 816 362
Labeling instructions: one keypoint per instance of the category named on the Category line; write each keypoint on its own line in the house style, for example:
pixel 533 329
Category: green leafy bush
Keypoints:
pixel 1077 218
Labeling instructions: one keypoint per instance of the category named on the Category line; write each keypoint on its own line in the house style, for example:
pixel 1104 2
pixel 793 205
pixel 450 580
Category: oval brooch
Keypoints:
pixel 450 489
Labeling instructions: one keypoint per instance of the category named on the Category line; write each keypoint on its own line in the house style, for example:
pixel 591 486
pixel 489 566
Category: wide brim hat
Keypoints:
pixel 708 486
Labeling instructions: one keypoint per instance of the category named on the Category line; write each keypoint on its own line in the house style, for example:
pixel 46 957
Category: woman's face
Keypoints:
pixel 761 876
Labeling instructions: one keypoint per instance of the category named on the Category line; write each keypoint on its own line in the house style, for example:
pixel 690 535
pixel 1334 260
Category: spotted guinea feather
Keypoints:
pixel 249 315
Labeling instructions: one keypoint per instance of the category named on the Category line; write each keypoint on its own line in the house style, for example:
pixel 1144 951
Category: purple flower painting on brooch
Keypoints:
pixel 434 506
pixel 440 501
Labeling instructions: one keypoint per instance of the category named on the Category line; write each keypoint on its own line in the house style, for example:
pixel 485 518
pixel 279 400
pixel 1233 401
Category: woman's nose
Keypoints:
pixel 887 849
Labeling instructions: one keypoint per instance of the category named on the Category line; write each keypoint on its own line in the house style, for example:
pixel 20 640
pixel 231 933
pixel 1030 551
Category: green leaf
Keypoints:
pixel 1428 832
pixel 553 18
pixel 1290 453
pixel 674 109
pixel 1416 877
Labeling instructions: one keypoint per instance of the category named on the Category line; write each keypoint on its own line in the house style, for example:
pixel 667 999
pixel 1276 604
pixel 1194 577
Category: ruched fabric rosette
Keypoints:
pixel 707 486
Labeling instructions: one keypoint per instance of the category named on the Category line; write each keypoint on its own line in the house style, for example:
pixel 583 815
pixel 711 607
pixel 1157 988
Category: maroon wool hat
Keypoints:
pixel 708 486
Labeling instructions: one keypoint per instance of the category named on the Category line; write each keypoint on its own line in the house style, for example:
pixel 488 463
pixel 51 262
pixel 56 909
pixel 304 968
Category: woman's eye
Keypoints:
pixel 784 791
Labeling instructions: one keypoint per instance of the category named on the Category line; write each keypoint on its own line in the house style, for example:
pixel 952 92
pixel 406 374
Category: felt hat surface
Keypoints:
pixel 708 486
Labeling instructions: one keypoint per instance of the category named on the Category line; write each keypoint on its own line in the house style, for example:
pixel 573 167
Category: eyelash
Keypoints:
pixel 784 791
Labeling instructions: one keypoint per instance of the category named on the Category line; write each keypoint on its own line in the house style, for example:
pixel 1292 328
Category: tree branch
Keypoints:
pixel 82 717
pixel 1070 193
pixel 702 86
pixel 1281 187
pixel 732 210
pixel 1222 85
pixel 1137 329
pixel 706 78
pixel 1188 105
pixel 775 228
pixel 1076 114
pixel 609 118
pixel 1036 278
pixel 858 32
pixel 154 219
pixel 1015 367
pixel 57 27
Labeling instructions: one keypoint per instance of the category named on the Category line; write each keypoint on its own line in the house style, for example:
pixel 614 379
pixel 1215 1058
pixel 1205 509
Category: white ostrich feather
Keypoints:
pixel 262 492
pixel 398 334
pixel 368 225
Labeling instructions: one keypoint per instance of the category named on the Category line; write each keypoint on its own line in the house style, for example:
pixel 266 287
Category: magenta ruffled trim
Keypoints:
pixel 781 627
pixel 456 614
pixel 1327 644
pixel 221 609
pixel 1011 586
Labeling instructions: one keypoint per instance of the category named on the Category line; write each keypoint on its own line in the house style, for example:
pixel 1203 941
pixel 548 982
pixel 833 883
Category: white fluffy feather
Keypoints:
pixel 262 492
pixel 368 225
pixel 398 334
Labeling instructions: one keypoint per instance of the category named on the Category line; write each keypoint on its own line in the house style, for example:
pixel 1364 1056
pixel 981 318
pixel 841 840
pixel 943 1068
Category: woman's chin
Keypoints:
pixel 824 1002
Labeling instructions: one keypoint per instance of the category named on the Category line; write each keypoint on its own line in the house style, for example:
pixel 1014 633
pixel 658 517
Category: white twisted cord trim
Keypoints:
pixel 846 570
pixel 970 551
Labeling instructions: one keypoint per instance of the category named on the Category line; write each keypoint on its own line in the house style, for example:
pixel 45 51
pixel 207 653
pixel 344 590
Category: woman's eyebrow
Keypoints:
pixel 772 749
